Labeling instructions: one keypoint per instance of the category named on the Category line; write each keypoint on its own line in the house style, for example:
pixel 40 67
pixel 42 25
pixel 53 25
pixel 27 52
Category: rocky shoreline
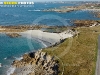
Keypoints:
pixel 65 9
pixel 97 14
pixel 13 35
pixel 21 28
pixel 36 63
pixel 86 23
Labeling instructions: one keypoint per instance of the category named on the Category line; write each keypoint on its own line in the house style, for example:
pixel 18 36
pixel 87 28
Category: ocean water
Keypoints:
pixel 12 48
pixel 34 15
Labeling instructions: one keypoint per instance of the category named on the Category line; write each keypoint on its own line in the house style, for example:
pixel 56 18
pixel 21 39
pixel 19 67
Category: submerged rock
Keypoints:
pixel 98 14
pixel 13 35
pixel 36 63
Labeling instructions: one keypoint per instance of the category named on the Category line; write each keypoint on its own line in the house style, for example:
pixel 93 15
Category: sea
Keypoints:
pixel 14 48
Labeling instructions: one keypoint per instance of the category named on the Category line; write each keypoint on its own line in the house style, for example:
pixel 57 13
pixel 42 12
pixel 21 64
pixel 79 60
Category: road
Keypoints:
pixel 97 72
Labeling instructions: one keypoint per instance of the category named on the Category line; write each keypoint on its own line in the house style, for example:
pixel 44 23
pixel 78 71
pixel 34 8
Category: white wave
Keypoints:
pixel 5 58
pixel 43 43
pixel 16 15
pixel 11 70
pixel 34 10
pixel 40 41
pixel 0 65
pixel 6 14
pixel 19 58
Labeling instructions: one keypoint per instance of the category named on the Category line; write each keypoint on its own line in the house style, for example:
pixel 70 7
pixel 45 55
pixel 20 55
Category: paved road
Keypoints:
pixel 98 59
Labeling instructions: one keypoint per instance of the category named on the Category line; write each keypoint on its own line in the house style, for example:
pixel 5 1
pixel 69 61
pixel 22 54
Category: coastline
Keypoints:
pixel 71 49
pixel 48 39
pixel 55 37
pixel 43 36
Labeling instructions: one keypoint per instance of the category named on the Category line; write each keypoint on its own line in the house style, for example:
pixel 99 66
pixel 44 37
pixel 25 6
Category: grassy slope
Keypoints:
pixel 80 59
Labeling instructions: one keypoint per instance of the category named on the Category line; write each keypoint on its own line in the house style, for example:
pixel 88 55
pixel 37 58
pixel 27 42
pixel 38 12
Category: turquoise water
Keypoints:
pixel 16 46
pixel 12 48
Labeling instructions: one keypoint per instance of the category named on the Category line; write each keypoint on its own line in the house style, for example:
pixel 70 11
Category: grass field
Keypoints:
pixel 77 55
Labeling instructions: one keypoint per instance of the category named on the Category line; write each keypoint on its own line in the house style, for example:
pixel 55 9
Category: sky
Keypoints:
pixel 48 0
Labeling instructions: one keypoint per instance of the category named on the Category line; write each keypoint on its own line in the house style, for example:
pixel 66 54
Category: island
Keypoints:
pixel 93 7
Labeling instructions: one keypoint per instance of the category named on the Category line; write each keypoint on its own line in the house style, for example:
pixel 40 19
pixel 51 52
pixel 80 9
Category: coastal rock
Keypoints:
pixel 85 23
pixel 65 9
pixel 36 63
pixel 98 14
pixel 13 35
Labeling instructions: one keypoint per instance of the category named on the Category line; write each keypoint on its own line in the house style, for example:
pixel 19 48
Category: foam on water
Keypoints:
pixel 11 70
pixel 43 43
pixel 18 58
pixel 0 65
pixel 11 49
pixel 34 10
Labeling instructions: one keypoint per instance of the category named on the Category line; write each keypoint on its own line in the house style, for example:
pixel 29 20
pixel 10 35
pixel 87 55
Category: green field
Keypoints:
pixel 77 55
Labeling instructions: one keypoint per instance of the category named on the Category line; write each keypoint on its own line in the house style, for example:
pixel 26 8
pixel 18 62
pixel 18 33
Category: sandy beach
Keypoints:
pixel 46 37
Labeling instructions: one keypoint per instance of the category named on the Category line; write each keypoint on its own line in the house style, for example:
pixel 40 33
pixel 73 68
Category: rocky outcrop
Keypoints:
pixel 21 28
pixel 97 14
pixel 85 23
pixel 13 35
pixel 25 27
pixel 59 10
pixel 36 63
